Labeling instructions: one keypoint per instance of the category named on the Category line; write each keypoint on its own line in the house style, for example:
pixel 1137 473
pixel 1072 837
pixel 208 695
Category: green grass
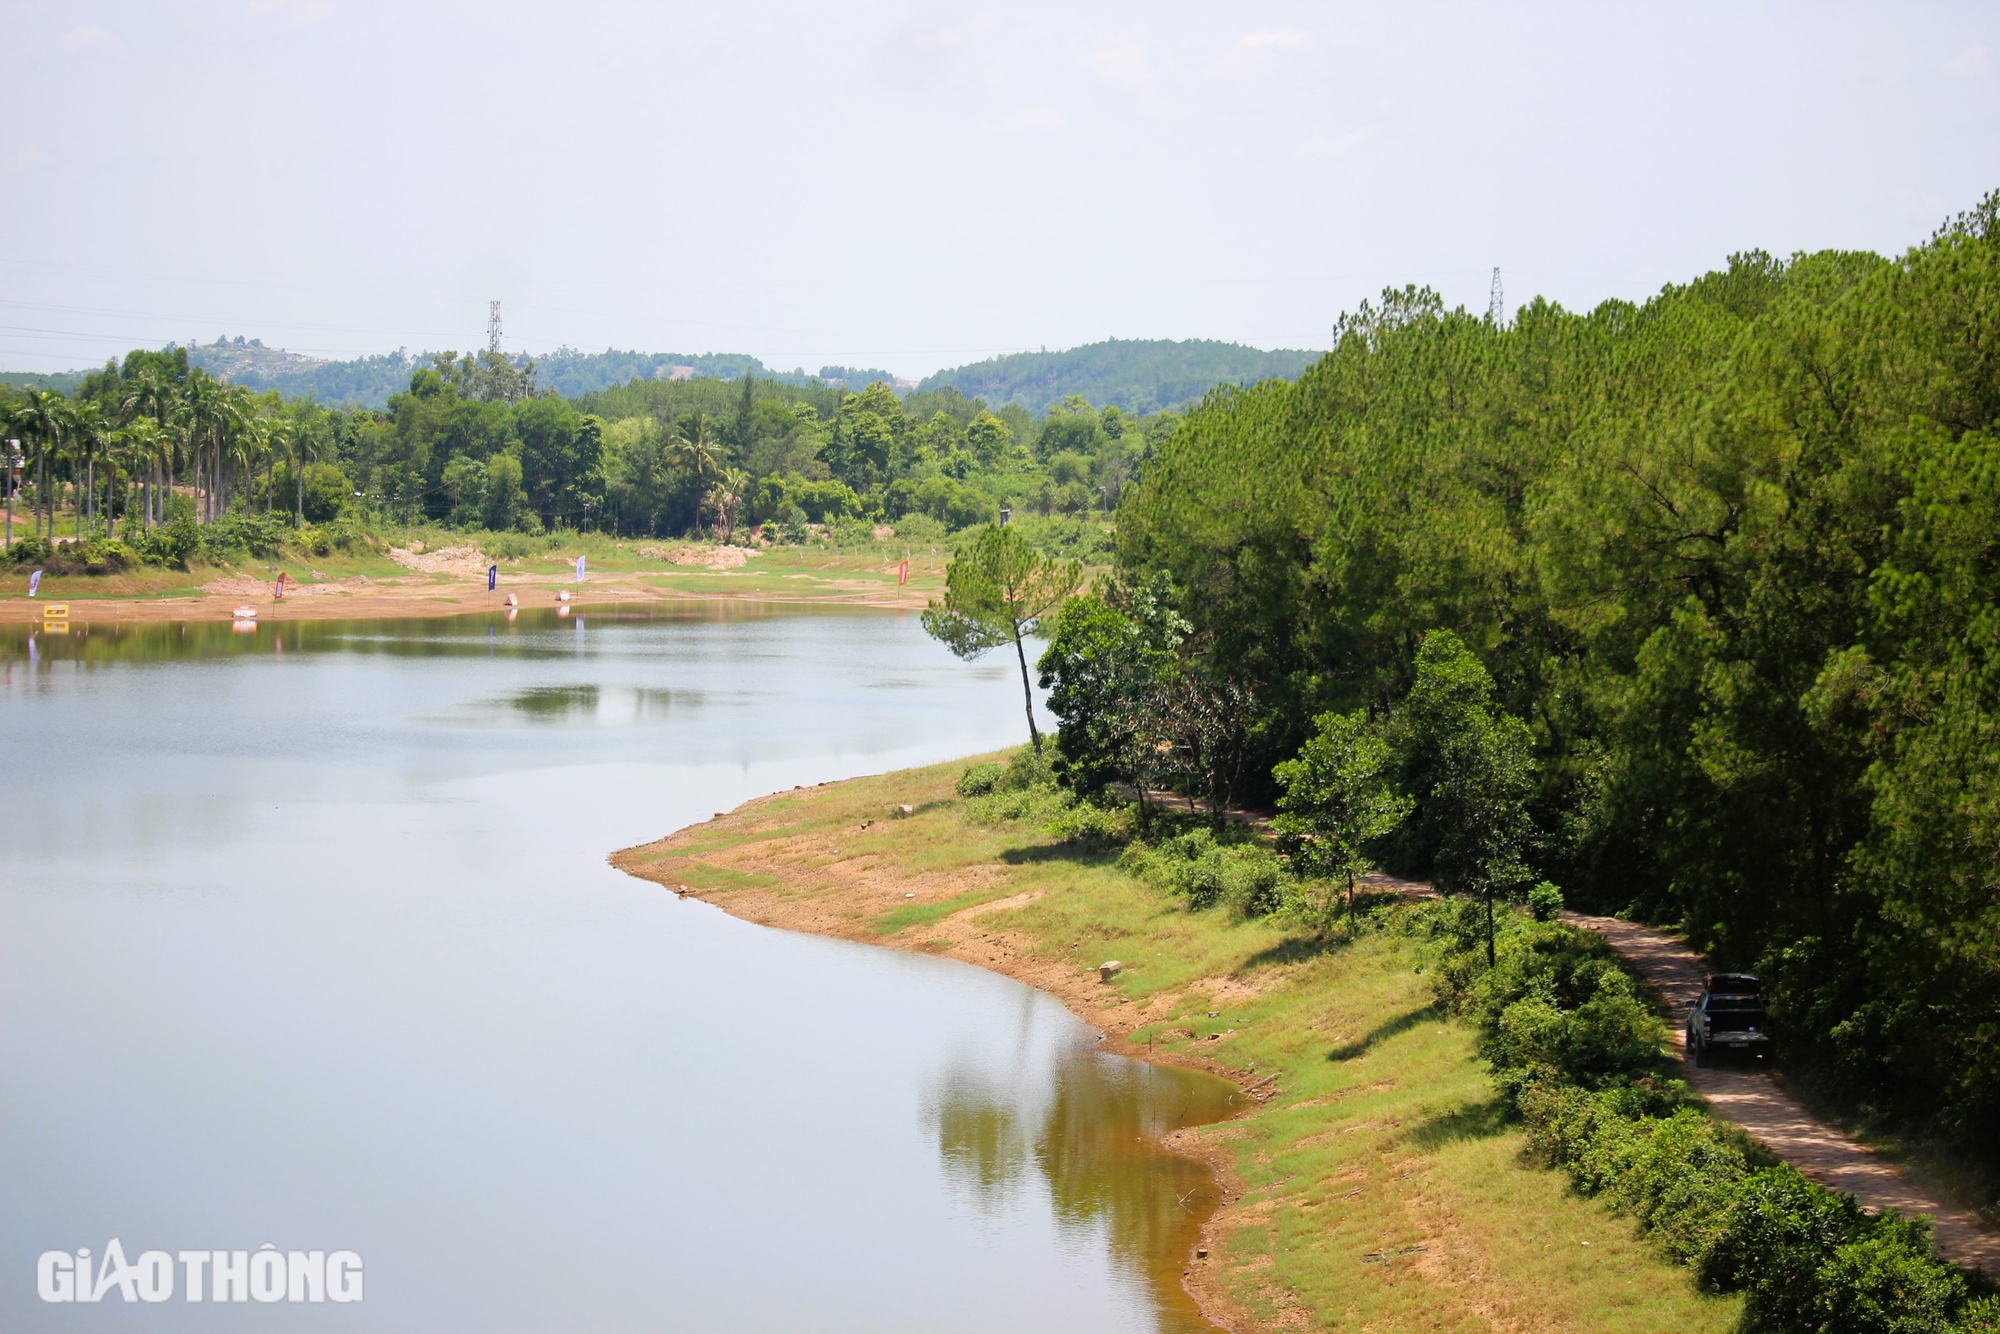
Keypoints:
pixel 1380 1187
pixel 923 914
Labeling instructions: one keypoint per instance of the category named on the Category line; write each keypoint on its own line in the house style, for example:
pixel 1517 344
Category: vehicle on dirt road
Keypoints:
pixel 1729 1017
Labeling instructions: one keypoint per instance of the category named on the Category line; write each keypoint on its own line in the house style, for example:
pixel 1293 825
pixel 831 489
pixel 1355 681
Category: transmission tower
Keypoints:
pixel 493 320
pixel 1496 303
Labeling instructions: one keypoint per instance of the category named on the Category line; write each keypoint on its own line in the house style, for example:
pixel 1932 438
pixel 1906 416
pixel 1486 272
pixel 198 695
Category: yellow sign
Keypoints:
pixel 52 609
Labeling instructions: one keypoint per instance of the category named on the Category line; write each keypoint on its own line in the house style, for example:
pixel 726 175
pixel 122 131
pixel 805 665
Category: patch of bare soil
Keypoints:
pixel 466 561
pixel 714 558
pixel 243 586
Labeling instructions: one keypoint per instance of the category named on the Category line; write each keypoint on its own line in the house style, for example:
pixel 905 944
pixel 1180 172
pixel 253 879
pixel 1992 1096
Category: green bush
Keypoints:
pixel 1579 1057
pixel 978 780
pixel 92 555
pixel 1237 870
pixel 1021 789
pixel 258 535
pixel 327 492
pixel 1092 825
pixel 37 551
pixel 1028 767
pixel 1544 902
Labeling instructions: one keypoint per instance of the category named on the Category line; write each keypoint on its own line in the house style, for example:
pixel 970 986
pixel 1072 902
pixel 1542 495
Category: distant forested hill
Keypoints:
pixel 1139 375
pixel 61 382
pixel 367 382
pixel 572 373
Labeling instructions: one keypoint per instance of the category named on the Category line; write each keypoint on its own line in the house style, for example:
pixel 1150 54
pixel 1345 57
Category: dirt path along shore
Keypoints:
pixel 1757 1101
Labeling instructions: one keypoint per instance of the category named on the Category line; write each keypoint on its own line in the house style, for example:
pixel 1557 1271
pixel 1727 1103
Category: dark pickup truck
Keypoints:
pixel 1729 1017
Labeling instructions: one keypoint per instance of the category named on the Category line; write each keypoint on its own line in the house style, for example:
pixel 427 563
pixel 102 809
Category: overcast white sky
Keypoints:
pixel 913 186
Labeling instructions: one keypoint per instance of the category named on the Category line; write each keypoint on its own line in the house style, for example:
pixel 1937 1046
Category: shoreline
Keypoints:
pixel 1361 1173
pixel 1082 993
pixel 411 599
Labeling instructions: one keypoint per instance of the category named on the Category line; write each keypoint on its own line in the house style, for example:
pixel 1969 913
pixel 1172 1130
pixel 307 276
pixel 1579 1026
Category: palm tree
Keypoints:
pixel 201 403
pixel 87 433
pixel 142 440
pixel 150 397
pixel 726 496
pixel 179 449
pixel 235 442
pixel 694 450
pixel 304 445
pixel 277 440
pixel 44 417
pixel 247 446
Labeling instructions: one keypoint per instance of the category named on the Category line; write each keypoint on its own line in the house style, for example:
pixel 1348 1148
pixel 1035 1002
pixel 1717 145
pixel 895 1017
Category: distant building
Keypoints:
pixel 680 372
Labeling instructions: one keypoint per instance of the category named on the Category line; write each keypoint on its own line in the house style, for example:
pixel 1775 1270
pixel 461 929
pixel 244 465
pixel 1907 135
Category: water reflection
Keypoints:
pixel 1093 1134
pixel 533 633
pixel 588 703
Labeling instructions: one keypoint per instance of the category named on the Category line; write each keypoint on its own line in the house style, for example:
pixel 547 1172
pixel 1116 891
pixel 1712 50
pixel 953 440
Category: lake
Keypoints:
pixel 307 938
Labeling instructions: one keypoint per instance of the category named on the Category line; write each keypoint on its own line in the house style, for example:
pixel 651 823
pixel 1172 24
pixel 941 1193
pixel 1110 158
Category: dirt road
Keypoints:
pixel 1755 1100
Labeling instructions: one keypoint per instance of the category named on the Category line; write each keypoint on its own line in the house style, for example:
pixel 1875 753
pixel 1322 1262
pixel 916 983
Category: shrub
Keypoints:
pixel 1207 871
pixel 1092 825
pixel 978 780
pixel 259 535
pixel 92 555
pixel 1544 902
pixel 1578 1056
pixel 1028 767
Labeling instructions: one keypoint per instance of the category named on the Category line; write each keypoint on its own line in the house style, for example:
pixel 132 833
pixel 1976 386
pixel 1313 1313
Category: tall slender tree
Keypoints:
pixel 40 419
pixel 997 590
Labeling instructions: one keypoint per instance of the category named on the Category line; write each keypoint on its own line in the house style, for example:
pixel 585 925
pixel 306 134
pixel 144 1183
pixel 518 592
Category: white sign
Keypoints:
pixel 266 1274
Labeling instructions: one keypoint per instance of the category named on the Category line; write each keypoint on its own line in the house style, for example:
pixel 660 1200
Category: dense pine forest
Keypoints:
pixel 1729 559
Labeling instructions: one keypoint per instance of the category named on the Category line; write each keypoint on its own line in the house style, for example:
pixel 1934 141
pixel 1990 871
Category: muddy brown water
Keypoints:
pixel 307 938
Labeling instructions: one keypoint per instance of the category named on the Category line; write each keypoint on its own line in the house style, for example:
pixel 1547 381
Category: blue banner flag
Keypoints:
pixel 492 577
pixel 35 580
pixel 579 569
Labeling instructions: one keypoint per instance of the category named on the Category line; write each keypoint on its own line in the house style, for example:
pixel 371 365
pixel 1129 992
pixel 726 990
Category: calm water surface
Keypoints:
pixel 306 937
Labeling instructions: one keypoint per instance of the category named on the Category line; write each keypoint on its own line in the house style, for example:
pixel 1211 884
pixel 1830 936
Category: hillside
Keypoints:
pixel 367 382
pixel 1139 375
pixel 61 382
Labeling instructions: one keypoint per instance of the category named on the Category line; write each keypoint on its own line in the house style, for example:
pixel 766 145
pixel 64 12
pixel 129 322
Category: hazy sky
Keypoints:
pixel 913 186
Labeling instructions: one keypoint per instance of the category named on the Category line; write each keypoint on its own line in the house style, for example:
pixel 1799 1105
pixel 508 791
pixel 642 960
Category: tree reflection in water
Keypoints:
pixel 1094 1133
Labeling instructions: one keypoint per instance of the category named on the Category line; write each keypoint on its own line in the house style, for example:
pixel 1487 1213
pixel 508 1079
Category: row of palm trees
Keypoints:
pixel 200 429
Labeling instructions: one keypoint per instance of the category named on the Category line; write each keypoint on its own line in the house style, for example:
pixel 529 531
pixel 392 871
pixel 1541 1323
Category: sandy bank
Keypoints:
pixel 419 595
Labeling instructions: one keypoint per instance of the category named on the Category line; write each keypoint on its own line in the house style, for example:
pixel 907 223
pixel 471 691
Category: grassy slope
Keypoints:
pixel 1379 1138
